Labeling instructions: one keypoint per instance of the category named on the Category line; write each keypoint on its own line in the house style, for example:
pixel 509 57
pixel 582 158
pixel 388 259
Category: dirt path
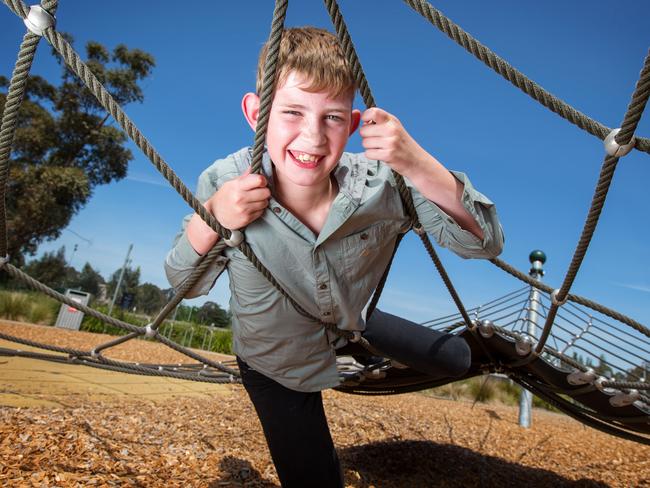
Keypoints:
pixel 89 427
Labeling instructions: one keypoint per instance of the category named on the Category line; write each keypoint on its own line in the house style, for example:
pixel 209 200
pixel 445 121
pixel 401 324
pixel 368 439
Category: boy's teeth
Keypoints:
pixel 306 157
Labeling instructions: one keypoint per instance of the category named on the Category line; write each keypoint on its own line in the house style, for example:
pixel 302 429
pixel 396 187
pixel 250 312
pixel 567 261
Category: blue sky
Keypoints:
pixel 539 169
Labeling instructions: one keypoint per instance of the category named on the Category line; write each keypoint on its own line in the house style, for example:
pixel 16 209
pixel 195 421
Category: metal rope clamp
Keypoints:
pixel 149 331
pixel 486 328
pixel 235 239
pixel 613 148
pixel 554 299
pixel 623 399
pixel 38 20
pixel 418 229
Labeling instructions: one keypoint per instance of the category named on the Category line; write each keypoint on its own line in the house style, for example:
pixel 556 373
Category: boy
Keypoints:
pixel 324 222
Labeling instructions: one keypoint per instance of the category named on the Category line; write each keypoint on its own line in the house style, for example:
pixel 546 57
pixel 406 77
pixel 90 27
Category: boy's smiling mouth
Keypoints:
pixel 304 160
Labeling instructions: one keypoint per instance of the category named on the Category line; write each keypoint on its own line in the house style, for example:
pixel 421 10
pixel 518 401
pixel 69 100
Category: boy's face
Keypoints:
pixel 307 133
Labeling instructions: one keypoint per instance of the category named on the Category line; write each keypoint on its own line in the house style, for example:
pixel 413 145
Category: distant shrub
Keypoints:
pixel 34 308
pixel 485 390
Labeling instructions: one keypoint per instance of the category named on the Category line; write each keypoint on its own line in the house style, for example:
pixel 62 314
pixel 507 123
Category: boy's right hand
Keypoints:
pixel 240 201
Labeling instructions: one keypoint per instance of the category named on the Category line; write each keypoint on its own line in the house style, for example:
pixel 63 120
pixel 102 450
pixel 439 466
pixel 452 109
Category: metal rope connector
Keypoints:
pixel 524 345
pixel 149 331
pixel 38 20
pixel 613 148
pixel 578 377
pixel 486 328
pixel 554 299
pixel 236 238
pixel 623 399
pixel 418 229
pixel 356 336
pixel 3 260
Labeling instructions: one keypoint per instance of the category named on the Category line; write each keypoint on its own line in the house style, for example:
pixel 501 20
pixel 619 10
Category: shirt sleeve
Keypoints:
pixel 446 231
pixel 182 259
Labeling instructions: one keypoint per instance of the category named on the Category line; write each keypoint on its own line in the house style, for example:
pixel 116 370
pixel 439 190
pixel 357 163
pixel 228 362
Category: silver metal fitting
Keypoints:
pixel 524 345
pixel 356 336
pixel 149 332
pixel 613 148
pixel 398 365
pixel 236 238
pixel 38 19
pixel 94 354
pixel 578 377
pixel 486 328
pixel 160 368
pixel 599 385
pixel 555 300
pixel 419 230
pixel 623 399
pixel 375 374
pixel 3 260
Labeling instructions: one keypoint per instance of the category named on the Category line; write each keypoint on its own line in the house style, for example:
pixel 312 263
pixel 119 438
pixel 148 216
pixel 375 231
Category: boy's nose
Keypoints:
pixel 314 134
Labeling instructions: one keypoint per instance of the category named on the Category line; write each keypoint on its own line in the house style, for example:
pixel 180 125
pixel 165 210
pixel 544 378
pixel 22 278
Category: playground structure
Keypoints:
pixel 616 402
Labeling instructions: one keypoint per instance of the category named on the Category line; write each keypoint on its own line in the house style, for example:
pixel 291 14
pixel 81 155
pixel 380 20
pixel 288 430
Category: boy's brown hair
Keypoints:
pixel 314 53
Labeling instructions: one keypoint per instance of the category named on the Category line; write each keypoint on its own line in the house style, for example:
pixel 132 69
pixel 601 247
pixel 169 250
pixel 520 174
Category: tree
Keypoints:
pixel 52 270
pixel 88 280
pixel 149 298
pixel 65 146
pixel 130 282
pixel 211 313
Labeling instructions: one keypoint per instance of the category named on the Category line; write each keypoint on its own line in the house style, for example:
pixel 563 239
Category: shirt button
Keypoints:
pixel 277 210
pixel 364 236
pixel 322 286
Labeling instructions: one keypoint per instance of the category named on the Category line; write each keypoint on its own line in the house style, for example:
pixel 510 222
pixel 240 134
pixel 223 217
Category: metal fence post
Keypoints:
pixel 537 258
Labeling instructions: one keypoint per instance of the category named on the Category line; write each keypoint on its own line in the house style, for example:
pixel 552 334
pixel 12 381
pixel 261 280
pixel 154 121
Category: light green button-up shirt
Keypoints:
pixel 331 275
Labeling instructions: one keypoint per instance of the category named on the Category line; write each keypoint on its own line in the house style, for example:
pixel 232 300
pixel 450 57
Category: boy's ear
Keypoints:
pixel 250 105
pixel 354 120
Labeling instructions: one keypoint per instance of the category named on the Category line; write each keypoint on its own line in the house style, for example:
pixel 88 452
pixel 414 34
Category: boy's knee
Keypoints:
pixel 455 356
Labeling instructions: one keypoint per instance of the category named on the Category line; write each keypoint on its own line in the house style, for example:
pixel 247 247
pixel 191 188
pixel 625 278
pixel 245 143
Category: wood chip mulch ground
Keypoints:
pixel 409 440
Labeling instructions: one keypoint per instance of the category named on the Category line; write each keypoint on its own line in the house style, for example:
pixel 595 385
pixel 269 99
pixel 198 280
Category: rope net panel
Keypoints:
pixel 580 341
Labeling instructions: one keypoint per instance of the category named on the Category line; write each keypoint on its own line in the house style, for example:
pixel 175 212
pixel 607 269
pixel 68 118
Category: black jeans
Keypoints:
pixel 296 432
pixel 294 422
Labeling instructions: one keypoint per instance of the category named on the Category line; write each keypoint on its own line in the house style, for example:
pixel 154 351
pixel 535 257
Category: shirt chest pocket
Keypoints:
pixel 364 256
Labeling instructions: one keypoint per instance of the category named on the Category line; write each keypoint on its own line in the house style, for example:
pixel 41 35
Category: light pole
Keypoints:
pixel 537 259
pixel 119 281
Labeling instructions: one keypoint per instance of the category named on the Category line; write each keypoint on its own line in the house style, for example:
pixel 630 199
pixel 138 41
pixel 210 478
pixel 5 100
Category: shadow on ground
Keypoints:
pixel 410 464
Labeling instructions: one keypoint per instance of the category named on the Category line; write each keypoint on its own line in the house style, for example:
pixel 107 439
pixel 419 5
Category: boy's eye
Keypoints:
pixel 335 118
pixel 291 112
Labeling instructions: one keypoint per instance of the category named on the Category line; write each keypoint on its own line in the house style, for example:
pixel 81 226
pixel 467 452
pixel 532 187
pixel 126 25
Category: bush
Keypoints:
pixel 34 308
pixel 495 389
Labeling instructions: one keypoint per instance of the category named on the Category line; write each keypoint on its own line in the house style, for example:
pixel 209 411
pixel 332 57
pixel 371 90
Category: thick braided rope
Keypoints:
pixel 268 84
pixel 348 47
pixel 574 298
pixel 518 79
pixel 575 364
pixel 32 283
pixel 124 367
pixel 75 63
pixel 13 101
pixel 630 121
pixel 73 60
pixel 203 266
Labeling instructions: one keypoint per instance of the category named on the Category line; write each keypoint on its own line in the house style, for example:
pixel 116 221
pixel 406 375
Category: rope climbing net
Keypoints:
pixel 40 22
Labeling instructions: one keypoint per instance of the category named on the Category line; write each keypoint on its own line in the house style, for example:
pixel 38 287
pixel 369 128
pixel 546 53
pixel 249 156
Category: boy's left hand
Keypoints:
pixel 384 138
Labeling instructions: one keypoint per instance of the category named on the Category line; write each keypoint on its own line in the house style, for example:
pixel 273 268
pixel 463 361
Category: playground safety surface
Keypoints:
pixel 68 425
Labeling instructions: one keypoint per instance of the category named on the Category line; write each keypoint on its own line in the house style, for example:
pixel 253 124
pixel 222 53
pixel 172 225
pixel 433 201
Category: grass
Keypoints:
pixel 485 389
pixel 37 308
pixel 31 307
